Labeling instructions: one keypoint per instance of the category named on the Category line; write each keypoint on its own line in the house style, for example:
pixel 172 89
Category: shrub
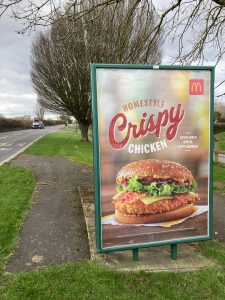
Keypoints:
pixel 12 124
pixel 219 127
pixel 216 116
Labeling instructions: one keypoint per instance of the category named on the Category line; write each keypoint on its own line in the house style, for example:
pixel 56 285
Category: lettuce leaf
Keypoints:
pixel 155 189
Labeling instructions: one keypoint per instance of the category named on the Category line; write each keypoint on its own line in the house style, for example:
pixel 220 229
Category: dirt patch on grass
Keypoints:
pixel 219 185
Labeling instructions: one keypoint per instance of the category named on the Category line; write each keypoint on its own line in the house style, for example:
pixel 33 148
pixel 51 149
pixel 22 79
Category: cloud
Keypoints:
pixel 12 105
pixel 171 50
pixel 16 93
pixel 17 96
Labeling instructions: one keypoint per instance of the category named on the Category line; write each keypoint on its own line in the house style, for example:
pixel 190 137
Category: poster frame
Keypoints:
pixel 96 156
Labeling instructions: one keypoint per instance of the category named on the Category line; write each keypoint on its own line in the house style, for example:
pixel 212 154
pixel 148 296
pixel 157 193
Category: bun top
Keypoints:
pixel 151 169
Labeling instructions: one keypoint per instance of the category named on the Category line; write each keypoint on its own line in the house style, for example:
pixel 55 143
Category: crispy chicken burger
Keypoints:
pixel 153 191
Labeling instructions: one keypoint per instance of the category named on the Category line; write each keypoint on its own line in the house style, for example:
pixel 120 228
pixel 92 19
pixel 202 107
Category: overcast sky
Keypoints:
pixel 17 97
pixel 16 93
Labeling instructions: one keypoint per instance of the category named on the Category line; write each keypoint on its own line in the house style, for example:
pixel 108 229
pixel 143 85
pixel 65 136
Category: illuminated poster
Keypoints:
pixel 152 154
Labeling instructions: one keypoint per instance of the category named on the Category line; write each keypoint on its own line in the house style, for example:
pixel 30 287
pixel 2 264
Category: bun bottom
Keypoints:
pixel 175 214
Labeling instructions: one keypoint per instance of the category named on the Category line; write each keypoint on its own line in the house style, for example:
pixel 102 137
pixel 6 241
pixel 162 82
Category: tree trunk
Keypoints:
pixel 84 132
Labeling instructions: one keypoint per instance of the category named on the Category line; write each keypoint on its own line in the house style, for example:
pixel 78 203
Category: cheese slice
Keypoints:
pixel 193 194
pixel 175 222
pixel 171 223
pixel 149 200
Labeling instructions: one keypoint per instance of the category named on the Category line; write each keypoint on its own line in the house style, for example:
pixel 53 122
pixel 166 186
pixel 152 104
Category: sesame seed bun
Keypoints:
pixel 151 169
pixel 175 214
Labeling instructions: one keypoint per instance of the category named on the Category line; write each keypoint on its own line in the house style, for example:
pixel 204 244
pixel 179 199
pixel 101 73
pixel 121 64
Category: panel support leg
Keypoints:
pixel 136 254
pixel 174 251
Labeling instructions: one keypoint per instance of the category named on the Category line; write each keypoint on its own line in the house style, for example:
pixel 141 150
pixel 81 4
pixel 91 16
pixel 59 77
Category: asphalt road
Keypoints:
pixel 13 142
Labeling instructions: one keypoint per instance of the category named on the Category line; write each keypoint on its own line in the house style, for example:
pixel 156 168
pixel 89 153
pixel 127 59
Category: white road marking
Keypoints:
pixel 5 149
pixel 18 152
pixel 20 144
pixel 18 133
pixel 4 137
pixel 5 145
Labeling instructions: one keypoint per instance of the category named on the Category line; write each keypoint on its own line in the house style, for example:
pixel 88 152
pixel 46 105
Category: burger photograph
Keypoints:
pixel 153 200
pixel 153 191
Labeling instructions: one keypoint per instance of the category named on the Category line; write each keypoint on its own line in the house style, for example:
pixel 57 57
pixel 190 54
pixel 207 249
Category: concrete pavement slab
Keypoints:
pixel 54 230
pixel 219 216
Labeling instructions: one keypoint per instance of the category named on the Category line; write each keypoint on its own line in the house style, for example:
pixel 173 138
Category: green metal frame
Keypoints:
pixel 96 157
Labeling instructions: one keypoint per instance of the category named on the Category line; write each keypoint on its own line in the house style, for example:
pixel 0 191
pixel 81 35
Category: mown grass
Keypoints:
pixel 69 128
pixel 221 143
pixel 16 188
pixel 63 144
pixel 219 178
pixel 87 280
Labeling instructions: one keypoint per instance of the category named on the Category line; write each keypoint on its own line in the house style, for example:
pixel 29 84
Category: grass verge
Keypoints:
pixel 219 178
pixel 69 128
pixel 87 280
pixel 63 144
pixel 16 188
pixel 221 143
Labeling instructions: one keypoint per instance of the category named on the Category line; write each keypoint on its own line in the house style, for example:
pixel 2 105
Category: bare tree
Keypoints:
pixel 64 118
pixel 39 110
pixel 194 27
pixel 219 106
pixel 198 22
pixel 61 57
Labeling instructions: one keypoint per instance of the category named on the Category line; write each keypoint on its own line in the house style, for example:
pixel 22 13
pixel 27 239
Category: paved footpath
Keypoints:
pixel 54 230
pixel 219 216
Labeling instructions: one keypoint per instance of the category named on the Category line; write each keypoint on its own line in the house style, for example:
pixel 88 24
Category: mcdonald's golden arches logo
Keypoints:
pixel 196 87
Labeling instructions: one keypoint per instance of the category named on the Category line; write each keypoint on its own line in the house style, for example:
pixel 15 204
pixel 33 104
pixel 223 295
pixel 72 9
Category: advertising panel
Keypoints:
pixel 152 154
